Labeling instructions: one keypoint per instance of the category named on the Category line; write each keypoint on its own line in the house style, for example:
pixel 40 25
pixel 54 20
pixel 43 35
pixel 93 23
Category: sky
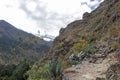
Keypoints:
pixel 47 16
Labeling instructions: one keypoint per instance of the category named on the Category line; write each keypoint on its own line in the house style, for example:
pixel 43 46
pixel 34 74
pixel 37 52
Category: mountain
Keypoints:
pixel 100 28
pixel 92 40
pixel 16 45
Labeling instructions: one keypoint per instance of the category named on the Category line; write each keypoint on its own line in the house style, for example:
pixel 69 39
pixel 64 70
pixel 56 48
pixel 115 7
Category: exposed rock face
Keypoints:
pixel 86 15
pixel 113 72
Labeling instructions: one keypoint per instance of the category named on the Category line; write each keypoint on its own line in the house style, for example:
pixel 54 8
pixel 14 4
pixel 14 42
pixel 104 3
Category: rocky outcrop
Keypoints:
pixel 113 72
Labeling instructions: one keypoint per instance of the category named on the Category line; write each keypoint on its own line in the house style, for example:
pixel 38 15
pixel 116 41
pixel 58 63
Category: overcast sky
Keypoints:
pixel 48 16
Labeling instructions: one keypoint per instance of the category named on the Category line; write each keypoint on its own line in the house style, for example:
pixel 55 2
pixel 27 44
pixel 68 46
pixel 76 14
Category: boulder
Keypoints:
pixel 73 59
pixel 113 72
pixel 81 56
pixel 86 15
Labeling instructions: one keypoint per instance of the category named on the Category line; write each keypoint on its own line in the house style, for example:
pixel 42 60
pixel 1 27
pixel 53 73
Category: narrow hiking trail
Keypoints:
pixel 88 71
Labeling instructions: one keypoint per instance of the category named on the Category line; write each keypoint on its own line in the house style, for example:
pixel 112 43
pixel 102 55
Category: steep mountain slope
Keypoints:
pixel 16 45
pixel 99 28
pixel 91 40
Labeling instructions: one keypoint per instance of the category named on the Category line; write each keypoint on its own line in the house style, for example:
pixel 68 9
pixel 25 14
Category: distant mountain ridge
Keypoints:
pixel 16 44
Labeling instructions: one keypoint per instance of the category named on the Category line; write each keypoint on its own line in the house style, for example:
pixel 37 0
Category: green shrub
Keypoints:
pixel 89 49
pixel 15 71
pixel 21 69
pixel 79 46
pixel 49 71
pixel 37 72
pixel 53 70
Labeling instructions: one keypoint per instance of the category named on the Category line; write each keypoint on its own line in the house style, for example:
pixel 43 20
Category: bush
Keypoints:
pixel 89 49
pixel 6 71
pixel 79 46
pixel 42 71
pixel 53 70
pixel 37 72
pixel 21 69
pixel 13 71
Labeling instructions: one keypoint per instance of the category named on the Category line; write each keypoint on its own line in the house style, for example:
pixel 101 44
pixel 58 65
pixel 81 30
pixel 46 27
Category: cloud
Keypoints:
pixel 50 17
pixel 93 4
pixel 47 16
pixel 10 11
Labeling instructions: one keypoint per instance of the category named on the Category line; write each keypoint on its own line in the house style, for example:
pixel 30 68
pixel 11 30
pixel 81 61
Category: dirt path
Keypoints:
pixel 87 71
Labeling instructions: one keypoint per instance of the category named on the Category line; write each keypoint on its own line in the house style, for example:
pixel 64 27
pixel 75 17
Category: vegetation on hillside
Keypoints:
pixel 92 34
pixel 18 51
pixel 15 71
pixel 43 71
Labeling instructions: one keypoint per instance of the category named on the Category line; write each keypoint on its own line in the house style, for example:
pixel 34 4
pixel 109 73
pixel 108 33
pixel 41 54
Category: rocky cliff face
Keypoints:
pixel 101 28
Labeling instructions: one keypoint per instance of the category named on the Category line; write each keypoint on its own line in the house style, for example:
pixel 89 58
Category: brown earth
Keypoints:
pixel 89 71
